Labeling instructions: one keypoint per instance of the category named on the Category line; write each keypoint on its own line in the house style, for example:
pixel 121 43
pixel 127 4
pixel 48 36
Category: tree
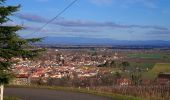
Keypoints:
pixel 12 45
pixel 136 78
pixel 113 64
pixel 125 64
pixel 107 64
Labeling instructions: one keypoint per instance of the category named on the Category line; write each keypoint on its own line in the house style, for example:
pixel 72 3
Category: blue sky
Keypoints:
pixel 115 19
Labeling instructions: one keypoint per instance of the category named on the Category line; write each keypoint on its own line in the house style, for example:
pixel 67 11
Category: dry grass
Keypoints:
pixel 161 67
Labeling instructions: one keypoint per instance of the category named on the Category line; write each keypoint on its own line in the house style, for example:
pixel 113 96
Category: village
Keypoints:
pixel 58 66
pixel 81 66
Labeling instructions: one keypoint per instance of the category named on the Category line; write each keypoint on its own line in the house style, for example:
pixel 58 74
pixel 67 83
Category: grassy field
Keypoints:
pixel 159 67
pixel 150 56
pixel 142 65
pixel 10 98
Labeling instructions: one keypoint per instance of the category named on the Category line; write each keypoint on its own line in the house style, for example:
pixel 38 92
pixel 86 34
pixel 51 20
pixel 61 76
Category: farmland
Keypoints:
pixel 158 68
pixel 161 56
pixel 161 67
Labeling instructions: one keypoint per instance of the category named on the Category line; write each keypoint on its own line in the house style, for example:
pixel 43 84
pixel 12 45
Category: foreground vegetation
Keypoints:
pixel 11 98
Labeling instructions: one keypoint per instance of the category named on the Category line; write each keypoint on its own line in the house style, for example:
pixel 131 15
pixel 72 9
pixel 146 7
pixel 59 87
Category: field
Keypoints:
pixel 159 67
pixel 142 65
pixel 161 56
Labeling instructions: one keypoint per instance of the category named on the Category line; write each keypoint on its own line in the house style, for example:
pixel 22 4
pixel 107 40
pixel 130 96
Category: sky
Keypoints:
pixel 113 19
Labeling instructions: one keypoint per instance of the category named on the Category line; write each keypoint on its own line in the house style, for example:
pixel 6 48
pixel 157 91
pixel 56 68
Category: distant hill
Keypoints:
pixel 100 41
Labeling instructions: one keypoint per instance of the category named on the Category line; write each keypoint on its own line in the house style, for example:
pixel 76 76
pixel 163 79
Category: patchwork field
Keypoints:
pixel 161 56
pixel 159 67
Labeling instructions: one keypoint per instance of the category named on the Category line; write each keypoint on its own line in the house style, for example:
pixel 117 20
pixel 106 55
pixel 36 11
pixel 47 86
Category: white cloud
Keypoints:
pixel 82 23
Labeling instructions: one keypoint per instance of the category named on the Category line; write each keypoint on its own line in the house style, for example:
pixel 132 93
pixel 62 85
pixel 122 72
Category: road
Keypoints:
pixel 45 94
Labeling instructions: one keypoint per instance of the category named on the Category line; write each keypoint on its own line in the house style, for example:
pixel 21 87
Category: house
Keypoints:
pixel 21 79
pixel 123 82
pixel 163 78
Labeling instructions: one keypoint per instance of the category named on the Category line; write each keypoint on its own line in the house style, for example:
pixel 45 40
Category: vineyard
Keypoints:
pixel 154 92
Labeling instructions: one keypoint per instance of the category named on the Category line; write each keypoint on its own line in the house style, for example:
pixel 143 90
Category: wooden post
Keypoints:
pixel 2 92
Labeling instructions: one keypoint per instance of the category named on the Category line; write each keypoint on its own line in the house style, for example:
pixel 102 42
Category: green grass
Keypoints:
pixel 159 67
pixel 150 56
pixel 142 64
pixel 149 75
pixel 11 98
pixel 84 90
